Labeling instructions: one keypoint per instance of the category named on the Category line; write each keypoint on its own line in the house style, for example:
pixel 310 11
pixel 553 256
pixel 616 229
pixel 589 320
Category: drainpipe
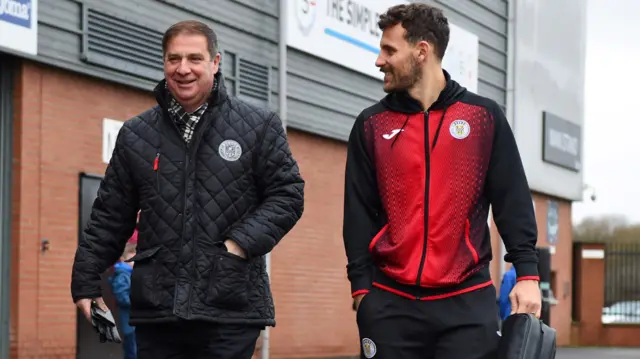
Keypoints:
pixel 282 109
pixel 511 93
pixel 7 70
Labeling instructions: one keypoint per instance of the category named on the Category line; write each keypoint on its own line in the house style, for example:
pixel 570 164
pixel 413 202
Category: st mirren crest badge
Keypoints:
pixel 306 13
pixel 459 129
pixel 368 348
pixel 230 150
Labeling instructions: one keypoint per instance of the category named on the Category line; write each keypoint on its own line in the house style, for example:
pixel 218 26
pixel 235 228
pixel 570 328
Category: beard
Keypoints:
pixel 404 78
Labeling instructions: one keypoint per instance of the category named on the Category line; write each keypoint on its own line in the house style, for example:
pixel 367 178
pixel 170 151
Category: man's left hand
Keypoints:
pixel 234 248
pixel 526 298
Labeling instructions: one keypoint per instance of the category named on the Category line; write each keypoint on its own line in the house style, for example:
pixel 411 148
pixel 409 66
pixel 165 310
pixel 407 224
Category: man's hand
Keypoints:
pixel 85 306
pixel 526 298
pixel 356 301
pixel 234 248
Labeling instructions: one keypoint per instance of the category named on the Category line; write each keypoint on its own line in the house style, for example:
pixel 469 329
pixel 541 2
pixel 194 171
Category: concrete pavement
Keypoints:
pixel 598 353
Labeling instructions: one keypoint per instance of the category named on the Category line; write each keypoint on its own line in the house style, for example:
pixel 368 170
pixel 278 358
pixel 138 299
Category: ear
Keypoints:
pixel 423 50
pixel 215 64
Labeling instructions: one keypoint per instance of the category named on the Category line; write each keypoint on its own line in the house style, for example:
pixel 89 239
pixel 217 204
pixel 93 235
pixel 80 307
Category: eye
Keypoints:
pixel 389 51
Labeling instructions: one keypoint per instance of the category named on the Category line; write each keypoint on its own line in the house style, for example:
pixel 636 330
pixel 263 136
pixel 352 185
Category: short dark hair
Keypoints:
pixel 422 22
pixel 191 27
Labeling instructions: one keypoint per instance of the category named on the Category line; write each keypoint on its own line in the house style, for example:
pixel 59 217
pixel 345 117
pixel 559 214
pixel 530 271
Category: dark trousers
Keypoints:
pixel 464 326
pixel 196 340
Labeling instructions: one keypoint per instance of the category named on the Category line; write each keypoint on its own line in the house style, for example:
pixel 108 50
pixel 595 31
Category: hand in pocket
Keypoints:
pixel 228 281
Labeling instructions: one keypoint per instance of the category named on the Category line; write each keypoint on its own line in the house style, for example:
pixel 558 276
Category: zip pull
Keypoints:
pixel 156 164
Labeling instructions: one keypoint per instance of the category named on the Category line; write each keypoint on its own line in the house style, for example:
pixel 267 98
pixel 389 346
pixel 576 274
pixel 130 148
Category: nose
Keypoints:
pixel 380 61
pixel 183 68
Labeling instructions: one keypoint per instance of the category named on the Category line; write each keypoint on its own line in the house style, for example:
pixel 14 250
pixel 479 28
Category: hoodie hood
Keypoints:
pixel 401 101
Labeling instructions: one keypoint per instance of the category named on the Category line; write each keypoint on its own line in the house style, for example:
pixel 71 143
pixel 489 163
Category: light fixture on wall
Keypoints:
pixel 588 188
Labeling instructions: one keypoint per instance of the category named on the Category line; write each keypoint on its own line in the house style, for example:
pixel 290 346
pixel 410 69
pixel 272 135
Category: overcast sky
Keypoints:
pixel 612 104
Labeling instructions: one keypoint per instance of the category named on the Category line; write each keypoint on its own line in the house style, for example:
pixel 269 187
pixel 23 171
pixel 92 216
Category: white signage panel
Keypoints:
pixel 346 32
pixel 461 57
pixel 593 253
pixel 19 25
pixel 110 130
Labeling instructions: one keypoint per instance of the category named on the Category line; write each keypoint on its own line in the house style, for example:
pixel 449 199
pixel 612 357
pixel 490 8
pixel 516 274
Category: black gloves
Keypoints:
pixel 104 324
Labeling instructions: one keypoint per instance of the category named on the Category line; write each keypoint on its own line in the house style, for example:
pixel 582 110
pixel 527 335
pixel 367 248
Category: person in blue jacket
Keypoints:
pixel 508 282
pixel 121 286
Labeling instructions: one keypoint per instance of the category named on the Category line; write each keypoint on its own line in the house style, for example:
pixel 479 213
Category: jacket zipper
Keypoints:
pixel 184 222
pixel 195 142
pixel 426 196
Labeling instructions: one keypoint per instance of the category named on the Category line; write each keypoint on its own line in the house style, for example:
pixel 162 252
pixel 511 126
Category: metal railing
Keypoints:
pixel 622 283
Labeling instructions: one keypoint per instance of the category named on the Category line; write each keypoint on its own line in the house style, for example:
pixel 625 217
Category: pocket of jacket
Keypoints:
pixel 144 279
pixel 467 240
pixel 228 282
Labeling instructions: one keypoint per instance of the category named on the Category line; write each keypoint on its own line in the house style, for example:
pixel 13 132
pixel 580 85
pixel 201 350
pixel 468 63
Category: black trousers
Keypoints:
pixel 464 326
pixel 196 340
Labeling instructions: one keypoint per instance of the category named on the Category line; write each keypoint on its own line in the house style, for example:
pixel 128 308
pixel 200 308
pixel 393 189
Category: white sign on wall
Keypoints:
pixel 19 25
pixel 461 57
pixel 110 130
pixel 346 32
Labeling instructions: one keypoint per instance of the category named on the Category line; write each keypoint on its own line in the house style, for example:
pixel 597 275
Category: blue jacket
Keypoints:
pixel 508 282
pixel 121 285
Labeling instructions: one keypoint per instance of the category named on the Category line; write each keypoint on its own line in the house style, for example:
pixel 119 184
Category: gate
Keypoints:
pixel 622 283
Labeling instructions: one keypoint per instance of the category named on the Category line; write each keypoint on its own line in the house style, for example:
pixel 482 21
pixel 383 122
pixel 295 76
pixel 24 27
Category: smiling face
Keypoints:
pixel 189 69
pixel 398 59
pixel 414 40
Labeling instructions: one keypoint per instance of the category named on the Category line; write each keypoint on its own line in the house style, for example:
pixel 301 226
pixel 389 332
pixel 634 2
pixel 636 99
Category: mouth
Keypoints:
pixel 185 83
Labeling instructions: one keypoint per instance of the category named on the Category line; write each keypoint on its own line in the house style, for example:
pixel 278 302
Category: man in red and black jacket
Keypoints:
pixel 423 167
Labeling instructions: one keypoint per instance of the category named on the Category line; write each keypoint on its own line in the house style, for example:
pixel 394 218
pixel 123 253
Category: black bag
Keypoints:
pixel 526 337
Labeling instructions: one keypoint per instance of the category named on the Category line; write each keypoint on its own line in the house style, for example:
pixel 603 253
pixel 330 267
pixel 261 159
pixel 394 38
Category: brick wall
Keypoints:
pixel 58 133
pixel 312 294
pixel 589 330
pixel 561 262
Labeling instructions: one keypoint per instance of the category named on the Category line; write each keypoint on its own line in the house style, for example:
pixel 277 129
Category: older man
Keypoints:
pixel 217 187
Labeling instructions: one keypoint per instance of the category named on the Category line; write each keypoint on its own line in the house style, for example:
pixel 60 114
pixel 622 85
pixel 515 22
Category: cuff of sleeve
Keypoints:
pixel 358 292
pixel 360 285
pixel 241 243
pixel 527 271
pixel 86 295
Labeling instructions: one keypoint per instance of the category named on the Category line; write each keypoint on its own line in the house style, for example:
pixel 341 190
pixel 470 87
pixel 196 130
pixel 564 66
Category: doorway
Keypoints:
pixel 88 343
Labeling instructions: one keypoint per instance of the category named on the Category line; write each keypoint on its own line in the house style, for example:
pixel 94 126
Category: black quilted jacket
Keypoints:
pixel 236 180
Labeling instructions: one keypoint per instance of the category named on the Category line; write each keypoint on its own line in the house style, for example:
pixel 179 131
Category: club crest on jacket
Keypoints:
pixel 459 129
pixel 230 150
pixel 368 348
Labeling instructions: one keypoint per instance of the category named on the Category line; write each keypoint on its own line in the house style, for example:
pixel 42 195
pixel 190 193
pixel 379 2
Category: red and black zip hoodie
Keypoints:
pixel 418 188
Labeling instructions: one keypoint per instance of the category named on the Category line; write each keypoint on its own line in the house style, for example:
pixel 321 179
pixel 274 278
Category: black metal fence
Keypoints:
pixel 622 284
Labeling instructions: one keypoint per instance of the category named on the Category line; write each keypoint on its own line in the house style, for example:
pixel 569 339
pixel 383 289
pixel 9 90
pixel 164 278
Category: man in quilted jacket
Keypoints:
pixel 217 189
